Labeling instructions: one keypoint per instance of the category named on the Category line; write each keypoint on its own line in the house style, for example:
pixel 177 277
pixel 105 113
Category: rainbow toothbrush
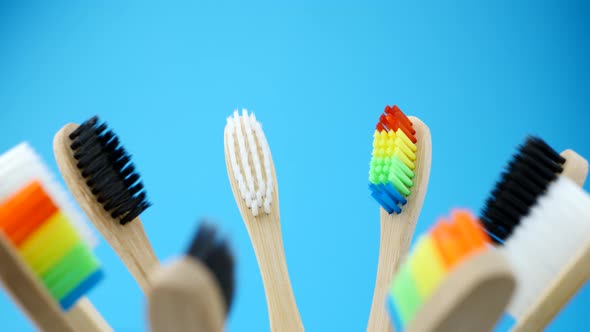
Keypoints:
pixel 400 168
pixel 451 281
pixel 42 244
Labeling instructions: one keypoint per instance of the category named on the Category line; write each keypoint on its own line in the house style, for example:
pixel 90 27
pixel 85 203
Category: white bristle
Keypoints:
pixel 232 156
pixel 557 227
pixel 255 159
pixel 266 163
pixel 21 165
pixel 251 170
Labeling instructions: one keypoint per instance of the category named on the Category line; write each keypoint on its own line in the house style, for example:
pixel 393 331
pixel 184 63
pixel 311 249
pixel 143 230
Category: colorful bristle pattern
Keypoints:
pixel 250 160
pixel 433 257
pixel 526 177
pixel 49 244
pixel 548 238
pixel 393 160
pixel 108 170
pixel 215 253
pixel 21 165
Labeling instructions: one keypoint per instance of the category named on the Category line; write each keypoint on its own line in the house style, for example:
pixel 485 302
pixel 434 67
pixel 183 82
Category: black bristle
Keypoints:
pixel 108 170
pixel 526 177
pixel 217 256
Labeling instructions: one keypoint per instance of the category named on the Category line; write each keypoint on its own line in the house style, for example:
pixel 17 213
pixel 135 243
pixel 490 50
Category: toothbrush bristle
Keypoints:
pixel 526 177
pixel 393 160
pixel 108 170
pixel 216 254
pixel 20 166
pixel 49 245
pixel 553 232
pixel 433 257
pixel 250 159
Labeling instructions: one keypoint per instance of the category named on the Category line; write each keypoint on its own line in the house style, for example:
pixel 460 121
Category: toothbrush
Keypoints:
pixel 37 230
pixel 451 281
pixel 99 173
pixel 541 219
pixel 194 293
pixel 40 244
pixel 400 167
pixel 253 181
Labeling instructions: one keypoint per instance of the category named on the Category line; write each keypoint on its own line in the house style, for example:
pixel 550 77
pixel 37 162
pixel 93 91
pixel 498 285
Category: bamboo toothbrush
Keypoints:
pixel 194 293
pixel 451 281
pixel 47 262
pixel 542 221
pixel 99 173
pixel 253 181
pixel 400 167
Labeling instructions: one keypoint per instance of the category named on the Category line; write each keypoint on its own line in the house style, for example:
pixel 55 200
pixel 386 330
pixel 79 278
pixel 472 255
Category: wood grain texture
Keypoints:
pixel 266 237
pixel 184 298
pixel 397 231
pixel 471 298
pixel 129 241
pixel 30 295
pixel 568 281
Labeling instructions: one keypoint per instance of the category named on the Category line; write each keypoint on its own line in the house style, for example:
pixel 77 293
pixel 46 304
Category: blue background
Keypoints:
pixel 165 75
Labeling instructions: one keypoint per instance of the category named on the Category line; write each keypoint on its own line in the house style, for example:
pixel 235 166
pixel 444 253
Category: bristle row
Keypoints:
pixel 556 228
pixel 108 170
pixel 250 159
pixel 393 160
pixel 213 252
pixel 393 119
pixel 21 165
pixel 49 244
pixel 434 256
pixel 527 176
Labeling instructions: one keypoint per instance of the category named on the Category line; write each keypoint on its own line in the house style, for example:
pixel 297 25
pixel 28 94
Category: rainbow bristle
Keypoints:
pixel 433 257
pixel 49 244
pixel 393 160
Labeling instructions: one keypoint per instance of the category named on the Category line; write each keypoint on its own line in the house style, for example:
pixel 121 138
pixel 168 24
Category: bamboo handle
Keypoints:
pixel 184 298
pixel 84 317
pixel 282 308
pixel 397 231
pixel 576 167
pixel 557 295
pixel 25 289
pixel 471 298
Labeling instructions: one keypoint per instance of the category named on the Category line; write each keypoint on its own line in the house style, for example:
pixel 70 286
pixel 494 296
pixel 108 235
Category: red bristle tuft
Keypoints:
pixel 393 119
pixel 397 112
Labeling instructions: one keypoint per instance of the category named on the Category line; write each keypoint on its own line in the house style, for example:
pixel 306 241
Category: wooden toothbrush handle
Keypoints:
pixel 396 236
pixel 267 241
pixel 26 290
pixel 133 247
pixel 83 316
pixel 575 167
pixel 557 294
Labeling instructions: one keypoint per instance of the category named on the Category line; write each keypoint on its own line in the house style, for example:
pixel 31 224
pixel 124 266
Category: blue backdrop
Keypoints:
pixel 317 74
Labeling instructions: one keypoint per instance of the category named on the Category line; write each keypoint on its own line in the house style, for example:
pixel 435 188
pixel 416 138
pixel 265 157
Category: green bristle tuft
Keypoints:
pixel 405 294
